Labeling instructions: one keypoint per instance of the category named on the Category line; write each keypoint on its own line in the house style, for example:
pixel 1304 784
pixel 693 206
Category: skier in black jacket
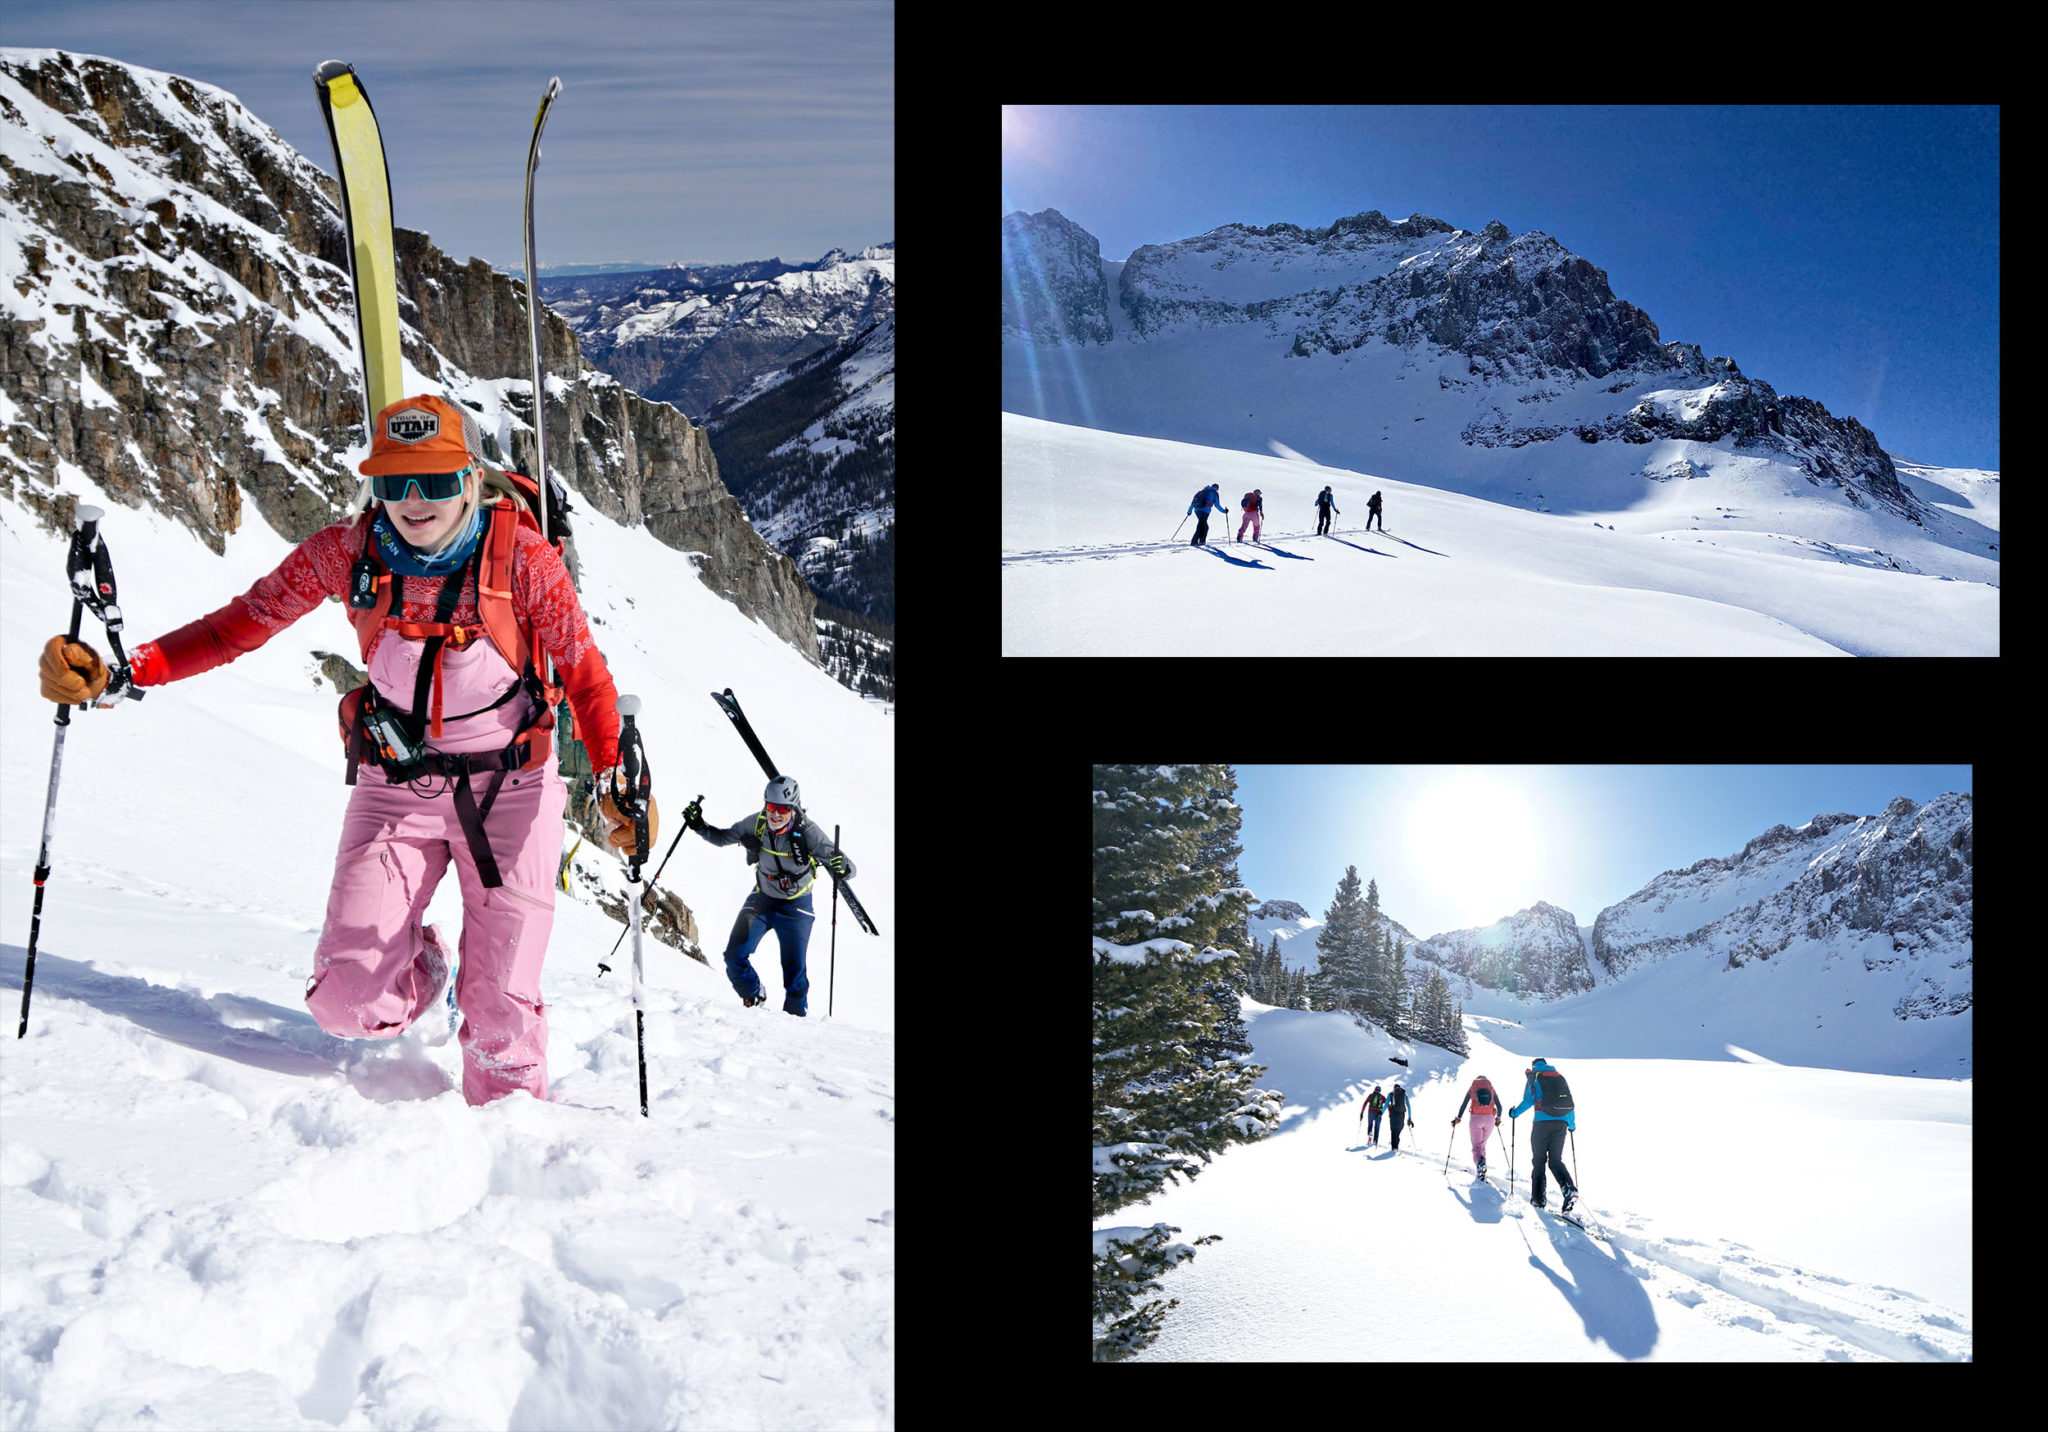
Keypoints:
pixel 1372 513
pixel 1397 1113
pixel 1325 505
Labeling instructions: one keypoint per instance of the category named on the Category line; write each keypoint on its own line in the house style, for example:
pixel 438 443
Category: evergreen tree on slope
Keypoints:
pixel 1340 979
pixel 1160 1110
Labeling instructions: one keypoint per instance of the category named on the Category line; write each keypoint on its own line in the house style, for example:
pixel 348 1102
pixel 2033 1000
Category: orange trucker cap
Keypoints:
pixel 425 434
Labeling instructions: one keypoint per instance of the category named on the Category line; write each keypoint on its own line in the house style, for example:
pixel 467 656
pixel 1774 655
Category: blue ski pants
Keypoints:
pixel 791 921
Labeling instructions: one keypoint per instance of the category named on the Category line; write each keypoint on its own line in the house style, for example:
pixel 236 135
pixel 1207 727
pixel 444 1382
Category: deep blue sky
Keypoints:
pixel 696 133
pixel 1590 835
pixel 1845 255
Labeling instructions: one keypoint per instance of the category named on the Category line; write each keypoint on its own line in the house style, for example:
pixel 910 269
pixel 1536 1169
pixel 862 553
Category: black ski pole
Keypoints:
pixel 832 970
pixel 91 572
pixel 638 784
pixel 1511 1155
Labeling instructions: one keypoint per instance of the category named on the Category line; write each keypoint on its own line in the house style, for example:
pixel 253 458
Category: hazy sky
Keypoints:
pixel 1454 847
pixel 1849 255
pixel 699 132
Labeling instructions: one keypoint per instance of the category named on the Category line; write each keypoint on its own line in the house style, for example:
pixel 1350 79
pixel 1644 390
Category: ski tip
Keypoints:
pixel 629 706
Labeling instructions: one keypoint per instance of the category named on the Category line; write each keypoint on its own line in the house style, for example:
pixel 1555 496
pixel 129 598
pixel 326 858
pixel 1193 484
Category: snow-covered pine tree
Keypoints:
pixel 1340 972
pixel 1399 1018
pixel 1160 1110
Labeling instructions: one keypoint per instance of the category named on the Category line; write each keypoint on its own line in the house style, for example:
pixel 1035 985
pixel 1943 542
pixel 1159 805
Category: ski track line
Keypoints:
pixel 1132 549
pixel 1887 1323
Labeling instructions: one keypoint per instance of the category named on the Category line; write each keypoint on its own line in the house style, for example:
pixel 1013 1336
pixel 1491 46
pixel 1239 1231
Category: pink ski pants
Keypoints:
pixel 371 975
pixel 1482 1130
pixel 1251 516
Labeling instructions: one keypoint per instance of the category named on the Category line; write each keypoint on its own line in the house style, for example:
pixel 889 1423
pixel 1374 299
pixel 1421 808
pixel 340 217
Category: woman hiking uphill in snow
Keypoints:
pixel 455 596
pixel 1397 1114
pixel 785 847
pixel 1485 1107
pixel 1375 1103
pixel 1552 1099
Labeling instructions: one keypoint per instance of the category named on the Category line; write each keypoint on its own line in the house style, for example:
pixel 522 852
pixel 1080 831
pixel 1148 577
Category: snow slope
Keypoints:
pixel 1747 1212
pixel 218 1216
pixel 1092 564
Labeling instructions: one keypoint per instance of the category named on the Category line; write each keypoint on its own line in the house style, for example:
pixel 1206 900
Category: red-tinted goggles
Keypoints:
pixel 774 809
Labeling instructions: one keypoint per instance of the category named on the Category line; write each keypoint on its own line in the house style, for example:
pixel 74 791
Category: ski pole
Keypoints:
pixel 1511 1158
pixel 1573 1135
pixel 1176 531
pixel 91 572
pixel 639 782
pixel 1449 1146
pixel 832 969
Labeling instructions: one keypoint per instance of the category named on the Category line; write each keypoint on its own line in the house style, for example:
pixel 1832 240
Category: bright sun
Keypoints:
pixel 1473 842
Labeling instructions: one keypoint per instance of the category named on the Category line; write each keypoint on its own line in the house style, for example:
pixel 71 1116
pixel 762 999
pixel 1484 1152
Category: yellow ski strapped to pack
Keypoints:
pixel 366 208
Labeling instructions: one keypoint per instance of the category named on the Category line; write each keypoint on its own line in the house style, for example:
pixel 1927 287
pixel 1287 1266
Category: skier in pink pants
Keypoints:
pixel 1485 1106
pixel 1254 505
pixel 458 601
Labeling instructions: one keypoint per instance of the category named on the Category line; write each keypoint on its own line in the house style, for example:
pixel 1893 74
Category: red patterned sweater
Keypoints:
pixel 319 567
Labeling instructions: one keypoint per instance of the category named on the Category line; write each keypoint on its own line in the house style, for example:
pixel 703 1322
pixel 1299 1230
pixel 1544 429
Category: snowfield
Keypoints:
pixel 218 1216
pixel 1740 1210
pixel 1738 560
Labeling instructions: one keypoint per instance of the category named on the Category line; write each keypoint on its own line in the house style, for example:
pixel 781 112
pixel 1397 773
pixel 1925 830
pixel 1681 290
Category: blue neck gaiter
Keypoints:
pixel 403 558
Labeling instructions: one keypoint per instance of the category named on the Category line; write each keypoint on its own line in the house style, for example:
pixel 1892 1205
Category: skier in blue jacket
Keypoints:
pixel 1207 500
pixel 1547 1092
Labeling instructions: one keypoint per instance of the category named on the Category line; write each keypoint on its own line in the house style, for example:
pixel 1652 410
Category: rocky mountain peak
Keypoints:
pixel 181 334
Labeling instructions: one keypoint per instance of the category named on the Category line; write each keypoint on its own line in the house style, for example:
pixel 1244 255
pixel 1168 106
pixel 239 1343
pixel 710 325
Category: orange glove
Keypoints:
pixel 620 836
pixel 72 672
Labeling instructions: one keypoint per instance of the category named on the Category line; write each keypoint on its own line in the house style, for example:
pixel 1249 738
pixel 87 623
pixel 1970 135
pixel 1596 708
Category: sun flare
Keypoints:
pixel 1474 842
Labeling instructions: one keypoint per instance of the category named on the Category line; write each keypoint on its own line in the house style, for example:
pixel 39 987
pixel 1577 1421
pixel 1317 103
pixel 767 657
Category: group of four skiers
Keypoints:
pixel 1253 505
pixel 1545 1091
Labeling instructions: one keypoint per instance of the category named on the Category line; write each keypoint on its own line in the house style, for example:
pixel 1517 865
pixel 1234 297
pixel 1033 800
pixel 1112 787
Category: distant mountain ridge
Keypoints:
pixel 1889 895
pixel 1489 363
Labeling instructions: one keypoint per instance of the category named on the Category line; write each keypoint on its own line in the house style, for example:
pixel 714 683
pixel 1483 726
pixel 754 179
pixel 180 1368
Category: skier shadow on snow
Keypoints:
pixel 1236 561
pixel 1283 552
pixel 1406 543
pixel 1604 1290
pixel 1485 1203
pixel 1371 551
pixel 231 1026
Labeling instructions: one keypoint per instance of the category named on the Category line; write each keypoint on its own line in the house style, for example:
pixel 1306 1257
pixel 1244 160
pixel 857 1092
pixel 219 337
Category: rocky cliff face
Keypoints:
pixel 1053 288
pixel 1535 952
pixel 179 335
pixel 1893 891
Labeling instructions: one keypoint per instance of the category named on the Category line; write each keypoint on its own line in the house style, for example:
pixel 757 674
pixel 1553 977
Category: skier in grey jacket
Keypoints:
pixel 786 847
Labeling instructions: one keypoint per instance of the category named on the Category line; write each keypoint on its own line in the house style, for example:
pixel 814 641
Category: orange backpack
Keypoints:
pixel 395 743
pixel 510 632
